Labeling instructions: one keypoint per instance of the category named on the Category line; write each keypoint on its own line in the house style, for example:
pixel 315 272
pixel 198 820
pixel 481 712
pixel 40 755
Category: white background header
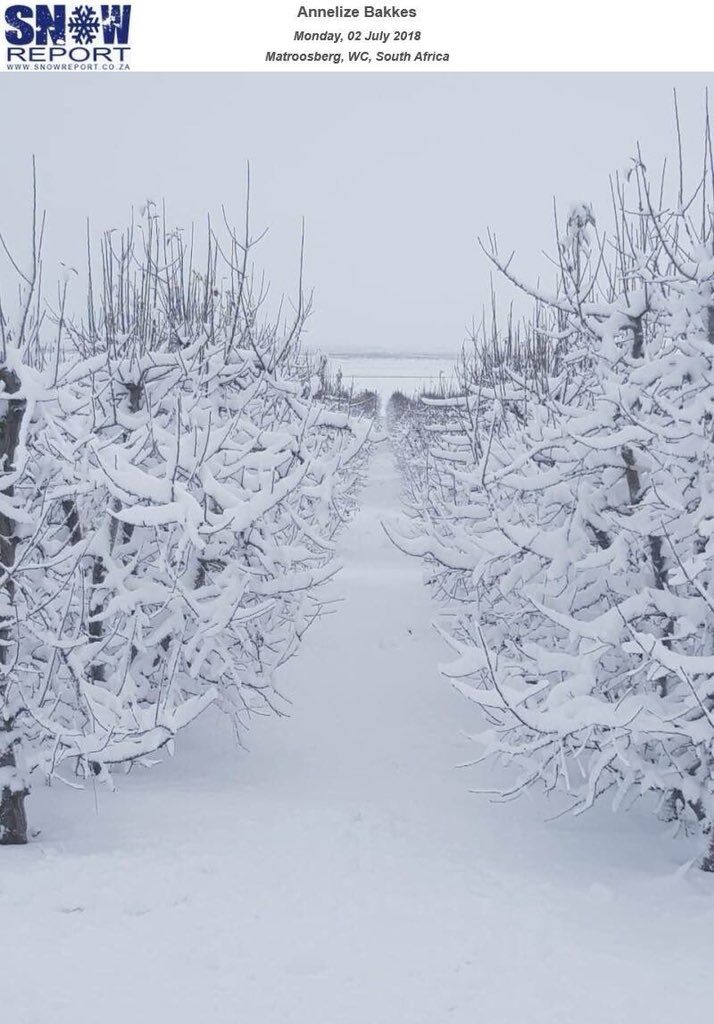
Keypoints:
pixel 478 35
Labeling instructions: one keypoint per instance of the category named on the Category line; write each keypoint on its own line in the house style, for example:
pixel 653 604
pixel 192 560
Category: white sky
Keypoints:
pixel 396 174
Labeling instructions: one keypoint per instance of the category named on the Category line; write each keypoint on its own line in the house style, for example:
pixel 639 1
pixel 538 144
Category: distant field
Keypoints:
pixel 388 373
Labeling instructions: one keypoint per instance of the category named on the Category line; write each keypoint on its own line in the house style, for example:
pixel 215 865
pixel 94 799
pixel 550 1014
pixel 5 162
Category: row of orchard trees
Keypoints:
pixel 567 512
pixel 170 486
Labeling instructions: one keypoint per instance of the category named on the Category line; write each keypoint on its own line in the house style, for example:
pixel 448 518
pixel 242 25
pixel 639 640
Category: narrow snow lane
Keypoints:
pixel 341 872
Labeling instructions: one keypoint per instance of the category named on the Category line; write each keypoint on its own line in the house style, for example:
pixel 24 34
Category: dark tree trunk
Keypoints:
pixel 99 574
pixel 96 606
pixel 708 862
pixel 659 564
pixel 13 822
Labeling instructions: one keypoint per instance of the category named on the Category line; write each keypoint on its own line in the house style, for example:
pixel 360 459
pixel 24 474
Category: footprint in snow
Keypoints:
pixel 137 910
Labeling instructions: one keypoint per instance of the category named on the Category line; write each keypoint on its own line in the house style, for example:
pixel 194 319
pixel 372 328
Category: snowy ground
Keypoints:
pixel 341 872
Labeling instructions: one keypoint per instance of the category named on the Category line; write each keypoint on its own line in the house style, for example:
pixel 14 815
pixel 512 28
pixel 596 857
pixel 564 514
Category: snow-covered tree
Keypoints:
pixel 574 547
pixel 179 490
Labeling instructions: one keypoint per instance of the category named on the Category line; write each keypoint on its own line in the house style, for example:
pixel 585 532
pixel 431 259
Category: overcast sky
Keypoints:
pixel 396 174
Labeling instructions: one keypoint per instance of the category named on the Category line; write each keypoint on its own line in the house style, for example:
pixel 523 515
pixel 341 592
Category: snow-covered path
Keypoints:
pixel 341 872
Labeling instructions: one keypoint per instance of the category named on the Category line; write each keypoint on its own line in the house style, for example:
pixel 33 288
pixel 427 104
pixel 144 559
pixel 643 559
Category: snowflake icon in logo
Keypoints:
pixel 83 24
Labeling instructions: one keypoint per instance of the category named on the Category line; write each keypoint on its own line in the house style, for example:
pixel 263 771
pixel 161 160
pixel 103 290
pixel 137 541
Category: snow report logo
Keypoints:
pixel 60 38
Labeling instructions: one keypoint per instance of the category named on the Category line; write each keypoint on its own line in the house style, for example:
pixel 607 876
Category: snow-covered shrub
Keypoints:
pixel 40 563
pixel 418 425
pixel 223 477
pixel 335 394
pixel 574 545
pixel 189 485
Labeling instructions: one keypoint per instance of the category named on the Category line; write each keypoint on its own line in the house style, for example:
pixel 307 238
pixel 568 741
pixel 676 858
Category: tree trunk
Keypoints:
pixel 659 564
pixel 708 862
pixel 13 822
